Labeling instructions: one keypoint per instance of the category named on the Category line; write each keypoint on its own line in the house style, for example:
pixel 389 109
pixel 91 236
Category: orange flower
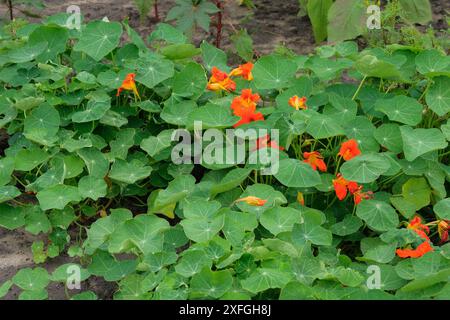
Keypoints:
pixel 249 117
pixel 419 228
pixel 349 150
pixel 422 230
pixel 443 227
pixel 352 187
pixel 247 100
pixel 300 198
pixel 244 106
pixel 253 201
pixel 358 195
pixel 298 103
pixel 421 249
pixel 265 142
pixel 244 71
pixel 129 84
pixel 340 186
pixel 315 160
pixel 220 81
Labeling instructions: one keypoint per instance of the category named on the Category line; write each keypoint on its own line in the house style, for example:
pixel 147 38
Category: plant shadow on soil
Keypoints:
pixel 273 23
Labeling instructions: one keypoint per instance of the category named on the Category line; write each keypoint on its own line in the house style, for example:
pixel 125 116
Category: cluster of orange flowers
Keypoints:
pixel 243 106
pixel 348 151
pixel 221 81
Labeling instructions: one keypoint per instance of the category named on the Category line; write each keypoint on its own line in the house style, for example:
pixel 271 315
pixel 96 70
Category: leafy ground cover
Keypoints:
pixel 361 188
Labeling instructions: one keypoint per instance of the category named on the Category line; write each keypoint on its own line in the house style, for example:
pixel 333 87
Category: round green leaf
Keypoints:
pixel 297 174
pixel 432 62
pixel 11 217
pixel 442 209
pixel 417 142
pixel 273 72
pixel 92 187
pixel 31 279
pixel 58 197
pixel 99 38
pixel 211 283
pixel 378 215
pixel 280 219
pixel 417 191
pixel 388 135
pixel 152 70
pixel 62 273
pixel 438 96
pixel 365 168
pixel 402 109
pixel 42 124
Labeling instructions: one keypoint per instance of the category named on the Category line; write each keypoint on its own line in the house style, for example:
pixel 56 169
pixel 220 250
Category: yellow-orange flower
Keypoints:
pixel 443 228
pixel 129 84
pixel 244 71
pixel 253 201
pixel 298 103
pixel 220 81
pixel 300 198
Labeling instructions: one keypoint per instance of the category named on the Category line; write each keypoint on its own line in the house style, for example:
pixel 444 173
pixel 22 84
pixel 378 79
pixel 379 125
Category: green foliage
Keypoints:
pixel 338 20
pixel 91 172
pixel 190 14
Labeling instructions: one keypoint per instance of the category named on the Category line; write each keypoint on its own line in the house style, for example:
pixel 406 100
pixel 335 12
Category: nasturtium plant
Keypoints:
pixel 117 154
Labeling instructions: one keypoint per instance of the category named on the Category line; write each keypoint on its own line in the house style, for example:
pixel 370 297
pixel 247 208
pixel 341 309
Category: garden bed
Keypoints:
pixel 272 24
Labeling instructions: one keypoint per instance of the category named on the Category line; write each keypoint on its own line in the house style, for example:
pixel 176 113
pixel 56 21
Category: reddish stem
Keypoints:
pixel 219 5
pixel 155 6
pixel 10 9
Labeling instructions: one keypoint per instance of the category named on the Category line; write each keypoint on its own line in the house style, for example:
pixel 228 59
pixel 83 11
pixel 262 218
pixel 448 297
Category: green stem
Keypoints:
pixel 359 88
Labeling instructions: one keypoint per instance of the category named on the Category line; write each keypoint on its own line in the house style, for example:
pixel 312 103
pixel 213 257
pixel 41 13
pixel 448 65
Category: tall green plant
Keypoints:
pixel 338 20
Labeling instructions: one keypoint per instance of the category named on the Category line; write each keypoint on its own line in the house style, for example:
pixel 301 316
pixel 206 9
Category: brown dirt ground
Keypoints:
pixel 273 23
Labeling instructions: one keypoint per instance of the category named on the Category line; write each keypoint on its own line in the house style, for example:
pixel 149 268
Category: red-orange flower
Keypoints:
pixel 352 187
pixel 443 228
pixel 220 81
pixel 128 84
pixel 253 201
pixel 298 103
pixel 349 150
pixel 249 117
pixel 419 228
pixel 359 195
pixel 244 71
pixel 244 106
pixel 421 249
pixel 315 160
pixel 265 142
pixel 422 230
pixel 341 186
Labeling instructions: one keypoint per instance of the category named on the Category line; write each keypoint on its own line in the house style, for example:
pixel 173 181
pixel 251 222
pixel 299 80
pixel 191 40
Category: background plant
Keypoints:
pixel 346 19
